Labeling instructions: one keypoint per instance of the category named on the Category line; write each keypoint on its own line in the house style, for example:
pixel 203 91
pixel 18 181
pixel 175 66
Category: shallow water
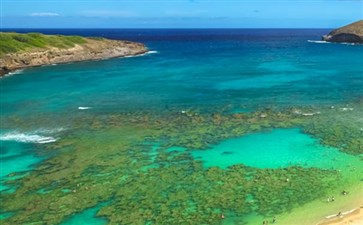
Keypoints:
pixel 273 149
pixel 87 216
pixel 15 157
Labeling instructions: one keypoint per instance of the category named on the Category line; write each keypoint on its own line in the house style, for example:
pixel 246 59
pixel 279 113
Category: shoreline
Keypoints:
pixel 19 70
pixel 352 217
pixel 321 212
pixel 89 50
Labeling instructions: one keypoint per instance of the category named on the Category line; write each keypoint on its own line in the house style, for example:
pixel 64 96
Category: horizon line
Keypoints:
pixel 165 28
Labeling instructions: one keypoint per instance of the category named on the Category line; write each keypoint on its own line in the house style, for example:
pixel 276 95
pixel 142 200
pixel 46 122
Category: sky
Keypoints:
pixel 179 13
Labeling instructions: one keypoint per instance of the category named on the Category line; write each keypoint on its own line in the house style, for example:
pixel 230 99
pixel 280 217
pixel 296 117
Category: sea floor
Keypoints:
pixel 185 166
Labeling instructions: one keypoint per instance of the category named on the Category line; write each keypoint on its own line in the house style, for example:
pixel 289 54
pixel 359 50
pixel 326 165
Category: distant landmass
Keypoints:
pixel 352 33
pixel 18 51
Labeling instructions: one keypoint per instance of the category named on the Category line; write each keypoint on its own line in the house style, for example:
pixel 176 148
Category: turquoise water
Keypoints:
pixel 273 149
pixel 88 216
pixel 202 70
pixel 15 157
pixel 193 69
pixel 19 152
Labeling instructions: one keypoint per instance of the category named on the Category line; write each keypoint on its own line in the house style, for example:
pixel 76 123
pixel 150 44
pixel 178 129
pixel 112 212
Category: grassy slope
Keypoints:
pixel 14 42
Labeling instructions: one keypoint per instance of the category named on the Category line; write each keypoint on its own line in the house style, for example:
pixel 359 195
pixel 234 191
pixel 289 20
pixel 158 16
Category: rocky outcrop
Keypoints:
pixel 93 49
pixel 352 33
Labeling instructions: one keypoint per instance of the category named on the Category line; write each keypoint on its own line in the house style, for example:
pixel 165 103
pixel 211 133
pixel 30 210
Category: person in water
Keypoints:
pixel 274 220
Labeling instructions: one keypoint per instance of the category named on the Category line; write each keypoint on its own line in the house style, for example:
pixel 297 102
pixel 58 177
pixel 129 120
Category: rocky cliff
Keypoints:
pixel 91 49
pixel 352 33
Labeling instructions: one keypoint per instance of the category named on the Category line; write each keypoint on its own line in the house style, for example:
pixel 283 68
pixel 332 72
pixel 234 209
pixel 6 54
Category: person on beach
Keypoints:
pixel 339 214
pixel 274 220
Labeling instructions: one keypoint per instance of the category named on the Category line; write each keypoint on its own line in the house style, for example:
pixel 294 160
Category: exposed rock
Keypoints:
pixel 352 33
pixel 91 50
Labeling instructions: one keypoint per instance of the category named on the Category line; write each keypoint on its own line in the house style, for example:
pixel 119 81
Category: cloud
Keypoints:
pixel 44 14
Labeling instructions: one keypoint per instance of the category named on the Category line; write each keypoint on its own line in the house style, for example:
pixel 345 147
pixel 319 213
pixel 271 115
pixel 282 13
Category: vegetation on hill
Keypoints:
pixel 14 42
pixel 19 51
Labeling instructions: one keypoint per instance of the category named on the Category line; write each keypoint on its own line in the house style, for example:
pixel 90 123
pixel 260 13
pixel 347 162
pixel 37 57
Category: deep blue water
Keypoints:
pixel 213 67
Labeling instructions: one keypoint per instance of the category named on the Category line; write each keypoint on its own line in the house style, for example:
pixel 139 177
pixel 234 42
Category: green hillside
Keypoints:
pixel 14 42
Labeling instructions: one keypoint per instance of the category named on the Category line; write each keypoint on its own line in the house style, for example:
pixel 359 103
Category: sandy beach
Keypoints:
pixel 351 217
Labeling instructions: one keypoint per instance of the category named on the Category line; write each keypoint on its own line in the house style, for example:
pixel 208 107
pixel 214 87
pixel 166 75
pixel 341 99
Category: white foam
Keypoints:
pixel 319 42
pixel 347 109
pixel 49 131
pixel 16 72
pixel 297 112
pixel 146 53
pixel 152 52
pixel 327 42
pixel 308 114
pixel 347 43
pixel 26 138
pixel 84 107
pixel 342 214
pixel 13 73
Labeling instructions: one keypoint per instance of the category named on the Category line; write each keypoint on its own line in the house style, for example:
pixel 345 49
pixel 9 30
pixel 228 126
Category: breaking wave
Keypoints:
pixel 84 107
pixel 146 53
pixel 318 42
pixel 326 42
pixel 13 73
pixel 27 138
pixel 152 52
pixel 40 136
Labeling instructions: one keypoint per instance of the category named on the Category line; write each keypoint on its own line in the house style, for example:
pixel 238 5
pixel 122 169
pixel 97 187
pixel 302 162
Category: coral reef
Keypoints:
pixel 113 158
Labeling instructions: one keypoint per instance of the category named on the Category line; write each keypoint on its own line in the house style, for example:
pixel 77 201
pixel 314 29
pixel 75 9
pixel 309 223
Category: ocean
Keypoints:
pixel 243 123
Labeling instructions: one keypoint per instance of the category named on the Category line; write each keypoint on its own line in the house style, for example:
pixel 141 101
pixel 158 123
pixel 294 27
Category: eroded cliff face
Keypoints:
pixel 92 50
pixel 352 33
